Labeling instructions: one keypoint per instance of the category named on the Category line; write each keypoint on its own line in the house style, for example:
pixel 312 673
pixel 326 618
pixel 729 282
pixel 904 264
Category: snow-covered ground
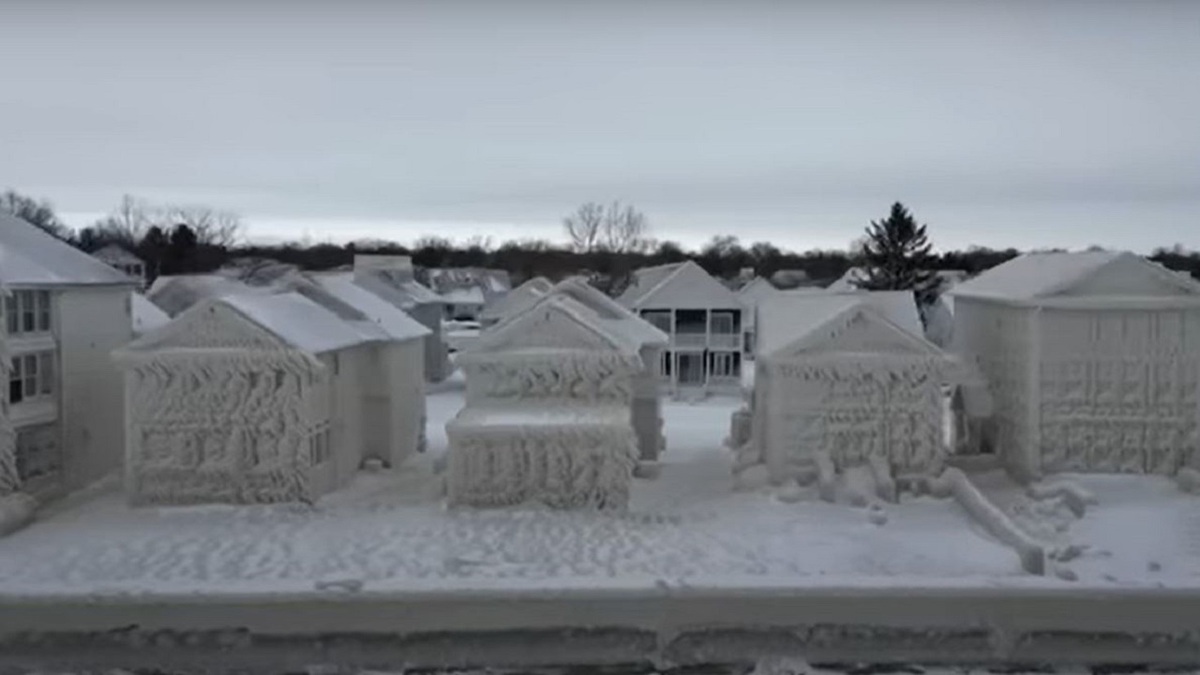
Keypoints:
pixel 686 527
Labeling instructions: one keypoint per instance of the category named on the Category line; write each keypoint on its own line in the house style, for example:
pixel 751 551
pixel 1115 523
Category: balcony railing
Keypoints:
pixel 696 340
pixel 723 340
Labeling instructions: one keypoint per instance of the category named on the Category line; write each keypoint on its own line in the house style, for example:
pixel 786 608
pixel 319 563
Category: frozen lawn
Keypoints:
pixel 391 533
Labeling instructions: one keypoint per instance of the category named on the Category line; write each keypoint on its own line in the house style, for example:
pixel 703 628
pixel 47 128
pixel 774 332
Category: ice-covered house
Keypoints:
pixel 118 257
pixel 547 414
pixel 1093 360
pixel 703 320
pixel 514 301
pixel 254 398
pixel 64 311
pixel 756 291
pixel 846 379
pixel 466 291
pixel 147 316
pixel 652 342
pixel 392 278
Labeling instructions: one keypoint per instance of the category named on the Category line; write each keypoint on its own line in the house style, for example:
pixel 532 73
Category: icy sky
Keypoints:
pixel 1000 123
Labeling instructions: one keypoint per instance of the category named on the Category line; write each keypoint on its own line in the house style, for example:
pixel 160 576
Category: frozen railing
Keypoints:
pixel 723 340
pixel 690 340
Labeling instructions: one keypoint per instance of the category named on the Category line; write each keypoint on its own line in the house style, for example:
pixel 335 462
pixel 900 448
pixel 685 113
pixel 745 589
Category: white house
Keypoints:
pixel 843 380
pixel 646 412
pixel 703 320
pixel 1093 360
pixel 266 397
pixel 64 311
pixel 757 290
pixel 392 278
pixel 515 300
pixel 118 257
pixel 547 415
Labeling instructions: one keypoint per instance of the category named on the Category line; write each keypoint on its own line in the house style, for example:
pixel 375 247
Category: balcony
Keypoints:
pixel 729 341
pixel 690 340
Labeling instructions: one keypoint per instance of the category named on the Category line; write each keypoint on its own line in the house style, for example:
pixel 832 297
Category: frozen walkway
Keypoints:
pixel 389 532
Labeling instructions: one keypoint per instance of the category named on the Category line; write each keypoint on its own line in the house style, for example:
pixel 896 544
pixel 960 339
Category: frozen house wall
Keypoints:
pixel 1118 389
pixel 220 409
pixel 866 393
pixel 393 407
pixel 91 323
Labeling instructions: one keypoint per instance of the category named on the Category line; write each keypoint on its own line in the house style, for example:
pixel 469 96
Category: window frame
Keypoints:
pixel 726 314
pixel 31 377
pixel 29 312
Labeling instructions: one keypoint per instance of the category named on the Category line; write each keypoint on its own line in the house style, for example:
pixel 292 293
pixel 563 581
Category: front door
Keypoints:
pixel 691 369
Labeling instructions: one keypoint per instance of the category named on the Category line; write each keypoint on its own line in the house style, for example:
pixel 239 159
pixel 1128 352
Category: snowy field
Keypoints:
pixel 687 527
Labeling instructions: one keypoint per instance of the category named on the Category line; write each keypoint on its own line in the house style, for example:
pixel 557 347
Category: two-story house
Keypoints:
pixel 64 311
pixel 703 319
pixel 119 257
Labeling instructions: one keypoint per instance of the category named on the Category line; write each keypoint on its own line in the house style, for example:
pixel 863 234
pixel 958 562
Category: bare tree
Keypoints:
pixel 213 227
pixel 615 228
pixel 585 226
pixel 625 229
pixel 39 213
pixel 127 223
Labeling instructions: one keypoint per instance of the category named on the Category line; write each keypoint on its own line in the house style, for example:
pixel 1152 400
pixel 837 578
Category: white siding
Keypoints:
pixel 90 324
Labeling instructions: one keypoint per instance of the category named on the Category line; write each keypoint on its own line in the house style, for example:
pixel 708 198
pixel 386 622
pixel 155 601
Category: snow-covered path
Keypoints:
pixel 390 532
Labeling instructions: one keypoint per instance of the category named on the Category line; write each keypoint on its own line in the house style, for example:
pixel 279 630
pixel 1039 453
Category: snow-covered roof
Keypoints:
pixel 611 312
pixel 175 294
pixel 517 299
pixel 472 295
pixel 848 281
pixel 1039 275
pixel 396 287
pixel 684 285
pixel 146 315
pixel 31 257
pixel 757 289
pixel 393 321
pixel 612 333
pixel 115 254
pixel 296 320
pixel 790 316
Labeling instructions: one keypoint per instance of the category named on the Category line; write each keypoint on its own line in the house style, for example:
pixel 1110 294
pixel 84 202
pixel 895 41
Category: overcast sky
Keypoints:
pixel 999 123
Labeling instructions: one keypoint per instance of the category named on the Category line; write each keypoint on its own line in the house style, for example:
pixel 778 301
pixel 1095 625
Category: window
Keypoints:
pixel 28 312
pixel 37 452
pixel 722 323
pixel 660 320
pixel 664 365
pixel 32 377
pixel 319 451
pixel 723 364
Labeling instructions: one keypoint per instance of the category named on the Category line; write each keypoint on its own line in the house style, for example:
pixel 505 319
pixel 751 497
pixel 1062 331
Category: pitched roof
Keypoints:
pixel 146 315
pixel 116 254
pixel 790 316
pixel 517 299
pixel 580 314
pixel 31 257
pixel 611 311
pixel 175 294
pixel 394 323
pixel 646 280
pixel 756 290
pixel 395 286
pixel 296 320
pixel 1038 275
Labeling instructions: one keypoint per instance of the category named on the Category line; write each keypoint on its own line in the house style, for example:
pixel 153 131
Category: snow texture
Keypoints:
pixel 146 315
pixel 390 531
pixel 505 448
pixel 516 300
pixel 31 257
pixel 395 324
pixel 1039 275
pixel 296 320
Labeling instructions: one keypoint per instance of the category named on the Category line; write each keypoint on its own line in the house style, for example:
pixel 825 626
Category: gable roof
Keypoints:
pixel 757 289
pixel 517 299
pixel 563 305
pixel 296 320
pixel 794 317
pixel 176 294
pixel 1039 275
pixel 31 257
pixel 146 315
pixel 395 286
pixel 612 313
pixel 116 254
pixel 650 286
pixel 393 322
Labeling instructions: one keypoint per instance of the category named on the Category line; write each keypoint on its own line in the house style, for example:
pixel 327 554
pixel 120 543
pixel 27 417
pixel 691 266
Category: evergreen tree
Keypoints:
pixel 897 256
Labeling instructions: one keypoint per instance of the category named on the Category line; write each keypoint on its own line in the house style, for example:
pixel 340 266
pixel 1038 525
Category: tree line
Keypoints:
pixel 607 241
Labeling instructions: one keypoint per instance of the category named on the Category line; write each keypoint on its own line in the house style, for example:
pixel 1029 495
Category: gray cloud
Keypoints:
pixel 1015 123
